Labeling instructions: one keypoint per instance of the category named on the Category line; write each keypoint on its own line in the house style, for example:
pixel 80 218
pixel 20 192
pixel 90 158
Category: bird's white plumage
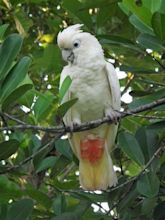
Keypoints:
pixel 95 84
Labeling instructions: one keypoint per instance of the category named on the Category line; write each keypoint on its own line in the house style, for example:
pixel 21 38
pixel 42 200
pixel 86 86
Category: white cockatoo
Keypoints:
pixel 95 84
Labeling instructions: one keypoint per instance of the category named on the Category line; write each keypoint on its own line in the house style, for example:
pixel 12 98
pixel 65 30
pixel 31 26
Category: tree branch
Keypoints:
pixel 87 125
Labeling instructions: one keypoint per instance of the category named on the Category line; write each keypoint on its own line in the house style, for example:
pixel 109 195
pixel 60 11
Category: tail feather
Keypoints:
pixel 97 176
pixel 96 167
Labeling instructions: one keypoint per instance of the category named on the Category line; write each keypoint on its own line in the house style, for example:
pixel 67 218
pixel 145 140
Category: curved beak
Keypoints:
pixel 68 55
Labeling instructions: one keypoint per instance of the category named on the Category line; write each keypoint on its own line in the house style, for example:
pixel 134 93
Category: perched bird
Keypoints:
pixel 95 84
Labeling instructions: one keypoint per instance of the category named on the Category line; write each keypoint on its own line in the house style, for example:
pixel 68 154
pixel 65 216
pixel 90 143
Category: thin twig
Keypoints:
pixel 134 179
pixel 66 171
pixel 142 171
pixel 146 116
pixel 4 120
pixel 4 114
pixel 156 60
pixel 128 84
pixel 15 167
pixel 87 125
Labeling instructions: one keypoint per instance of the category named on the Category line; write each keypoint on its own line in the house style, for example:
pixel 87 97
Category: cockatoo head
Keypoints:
pixel 77 46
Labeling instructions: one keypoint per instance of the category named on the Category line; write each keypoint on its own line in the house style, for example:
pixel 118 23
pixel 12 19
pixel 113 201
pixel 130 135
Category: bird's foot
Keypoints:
pixel 113 115
pixel 75 123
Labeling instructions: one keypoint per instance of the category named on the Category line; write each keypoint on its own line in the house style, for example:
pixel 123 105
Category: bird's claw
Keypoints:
pixel 113 115
pixel 75 123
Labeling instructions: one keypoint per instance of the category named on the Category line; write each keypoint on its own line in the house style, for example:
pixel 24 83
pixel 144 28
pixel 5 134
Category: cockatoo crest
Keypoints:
pixel 68 33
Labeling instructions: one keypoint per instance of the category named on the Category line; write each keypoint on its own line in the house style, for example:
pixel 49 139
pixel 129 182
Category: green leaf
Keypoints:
pixel 3 211
pixel 20 210
pixel 64 87
pixel 46 163
pixel 130 146
pixel 8 189
pixel 63 147
pixel 22 21
pixel 90 196
pixel 148 185
pixel 148 205
pixel 61 185
pixel 33 1
pixel 159 211
pixel 150 42
pixel 158 24
pixel 141 12
pixel 62 109
pixel 147 98
pixel 90 215
pixel 153 6
pixel 130 124
pixel 8 51
pixel 79 210
pixel 42 154
pixel 76 8
pixel 43 104
pixel 66 216
pixel 50 59
pixel 14 78
pixel 136 70
pixel 7 148
pixel 39 196
pixel 139 25
pixel 117 40
pixel 148 140
pixel 104 13
pixel 125 203
pixel 59 204
pixel 3 29
pixel 18 92
pixel 124 8
pixel 27 99
pixel 133 169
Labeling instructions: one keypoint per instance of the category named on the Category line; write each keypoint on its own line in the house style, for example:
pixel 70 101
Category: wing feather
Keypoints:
pixel 74 138
pixel 114 86
pixel 114 92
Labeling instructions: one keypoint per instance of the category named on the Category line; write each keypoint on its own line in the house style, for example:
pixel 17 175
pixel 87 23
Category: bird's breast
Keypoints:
pixel 91 90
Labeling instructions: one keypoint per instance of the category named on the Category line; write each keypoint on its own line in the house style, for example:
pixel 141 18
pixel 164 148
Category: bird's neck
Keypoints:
pixel 91 62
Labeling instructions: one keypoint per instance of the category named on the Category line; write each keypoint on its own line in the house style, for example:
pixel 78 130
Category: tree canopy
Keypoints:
pixel 38 171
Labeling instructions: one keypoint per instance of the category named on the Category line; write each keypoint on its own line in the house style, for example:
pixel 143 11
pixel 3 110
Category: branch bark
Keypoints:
pixel 87 125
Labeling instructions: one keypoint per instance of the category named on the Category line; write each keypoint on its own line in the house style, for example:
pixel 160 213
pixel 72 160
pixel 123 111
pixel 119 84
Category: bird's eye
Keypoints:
pixel 76 44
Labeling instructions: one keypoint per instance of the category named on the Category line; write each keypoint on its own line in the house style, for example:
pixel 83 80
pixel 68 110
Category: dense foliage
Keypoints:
pixel 39 178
